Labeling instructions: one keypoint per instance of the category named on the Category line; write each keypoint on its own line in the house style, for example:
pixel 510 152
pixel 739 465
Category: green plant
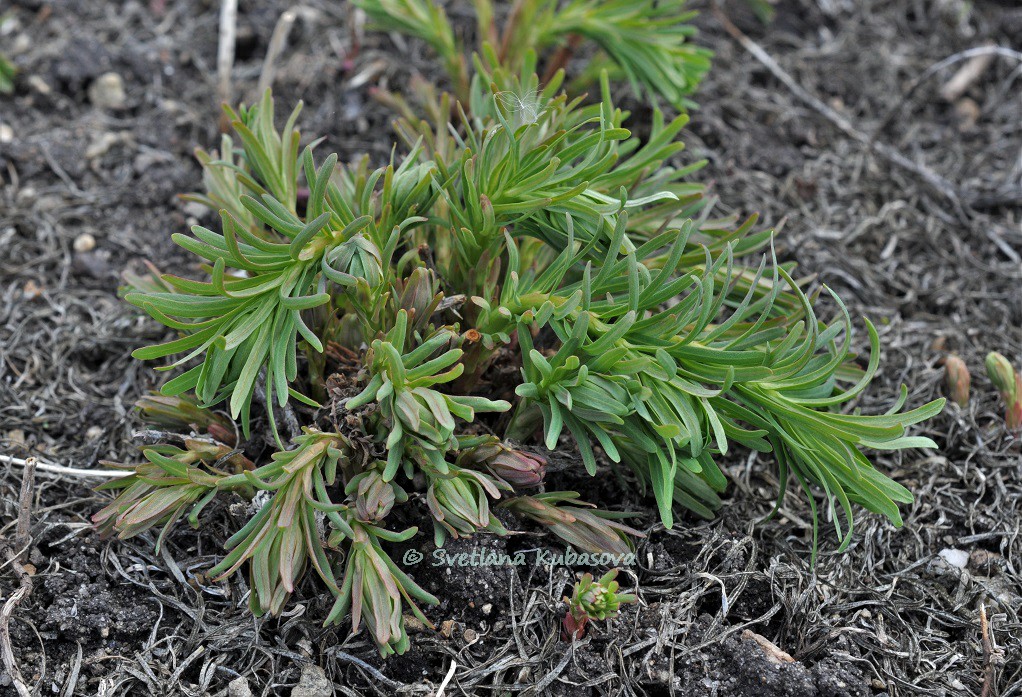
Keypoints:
pixel 7 72
pixel 381 311
pixel 1009 384
pixel 593 600
pixel 645 41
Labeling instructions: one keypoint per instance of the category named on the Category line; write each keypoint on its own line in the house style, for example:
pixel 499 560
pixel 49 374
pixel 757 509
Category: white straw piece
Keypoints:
pixel 60 470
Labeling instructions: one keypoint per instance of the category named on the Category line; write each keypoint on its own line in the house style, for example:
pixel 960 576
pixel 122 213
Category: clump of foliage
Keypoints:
pixel 593 600
pixel 519 278
pixel 646 42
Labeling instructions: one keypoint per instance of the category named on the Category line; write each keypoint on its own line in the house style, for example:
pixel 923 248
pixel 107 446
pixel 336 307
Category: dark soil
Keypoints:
pixel 888 616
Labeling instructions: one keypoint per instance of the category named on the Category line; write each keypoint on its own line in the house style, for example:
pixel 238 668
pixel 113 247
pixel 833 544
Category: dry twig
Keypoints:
pixel 62 471
pixel 23 590
pixel 990 654
pixel 21 532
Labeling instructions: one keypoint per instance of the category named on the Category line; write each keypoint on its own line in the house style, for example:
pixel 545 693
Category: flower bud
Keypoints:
pixel 460 505
pixel 1009 384
pixel 349 332
pixel 956 377
pixel 1001 374
pixel 178 412
pixel 517 468
pixel 1013 415
pixel 374 497
pixel 419 297
pixel 358 258
pixel 224 435
pixel 582 528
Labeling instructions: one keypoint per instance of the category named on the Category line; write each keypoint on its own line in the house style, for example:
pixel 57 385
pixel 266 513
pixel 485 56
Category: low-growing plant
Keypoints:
pixel 516 281
pixel 593 600
pixel 647 42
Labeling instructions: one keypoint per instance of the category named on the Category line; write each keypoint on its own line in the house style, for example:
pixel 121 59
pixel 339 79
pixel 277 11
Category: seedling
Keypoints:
pixel 593 600
pixel 1009 384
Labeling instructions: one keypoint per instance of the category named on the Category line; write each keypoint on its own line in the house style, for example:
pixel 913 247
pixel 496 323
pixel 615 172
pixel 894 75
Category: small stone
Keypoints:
pixel 955 557
pixel 413 625
pixel 968 113
pixel 22 42
pixel 470 636
pixel 774 653
pixel 447 628
pixel 313 683
pixel 6 134
pixel 147 160
pixel 487 608
pixel 194 209
pixel 84 243
pixel 100 146
pixel 93 432
pixel 239 688
pixel 31 290
pixel 107 92
pixel 39 85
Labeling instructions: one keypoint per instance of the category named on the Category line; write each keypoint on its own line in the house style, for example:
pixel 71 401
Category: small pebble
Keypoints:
pixel 6 134
pixel 39 84
pixel 93 432
pixel 955 557
pixel 107 92
pixel 101 145
pixel 195 210
pixel 84 243
pixel 470 636
pixel 239 688
pixel 31 290
pixel 313 683
pixel 22 42
pixel 487 608
pixel 968 113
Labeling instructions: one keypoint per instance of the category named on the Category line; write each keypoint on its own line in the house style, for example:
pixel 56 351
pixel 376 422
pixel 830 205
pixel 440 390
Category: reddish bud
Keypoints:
pixel 957 379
